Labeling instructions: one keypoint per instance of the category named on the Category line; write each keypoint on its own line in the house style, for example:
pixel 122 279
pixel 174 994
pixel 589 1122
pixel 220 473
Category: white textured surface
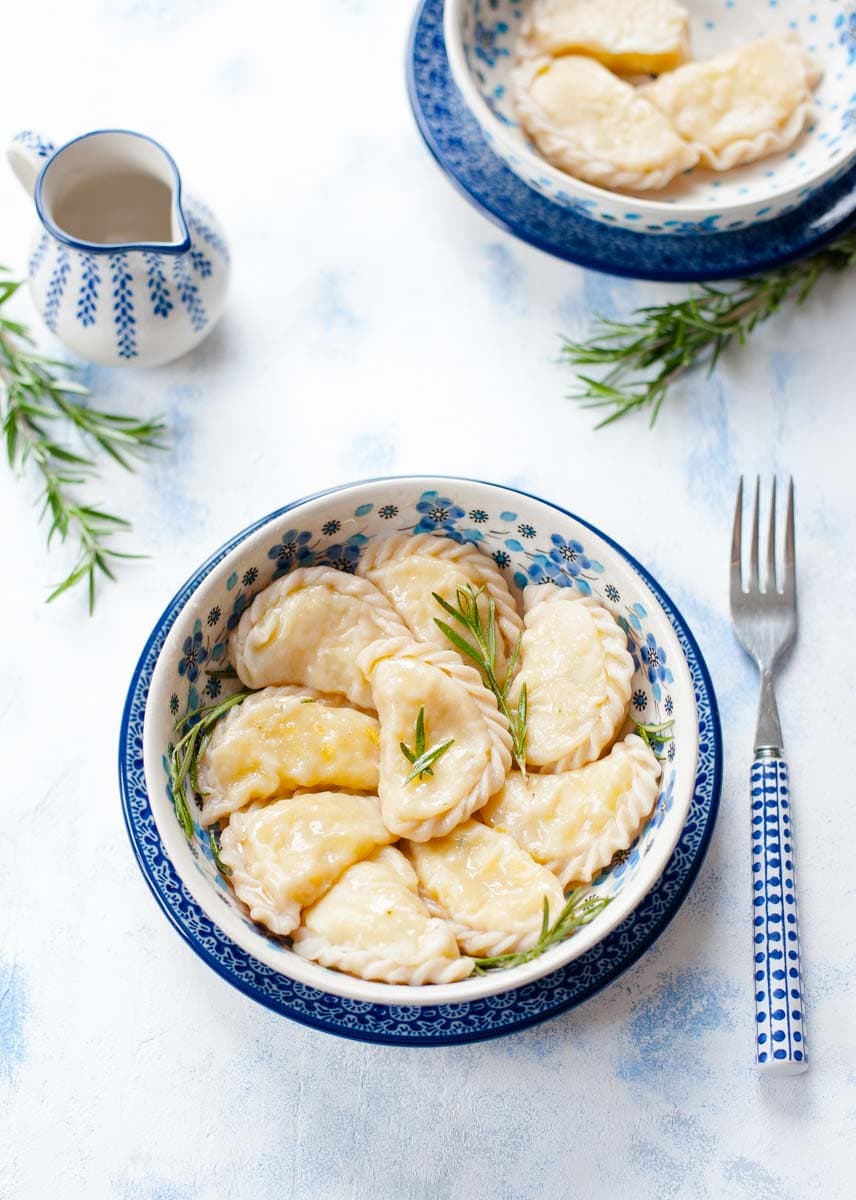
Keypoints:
pixel 378 325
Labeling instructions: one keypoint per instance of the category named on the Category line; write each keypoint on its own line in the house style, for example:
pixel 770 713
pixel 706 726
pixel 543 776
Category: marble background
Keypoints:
pixel 378 325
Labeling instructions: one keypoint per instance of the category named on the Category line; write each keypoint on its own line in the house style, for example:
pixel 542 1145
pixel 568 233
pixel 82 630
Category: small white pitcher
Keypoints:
pixel 124 270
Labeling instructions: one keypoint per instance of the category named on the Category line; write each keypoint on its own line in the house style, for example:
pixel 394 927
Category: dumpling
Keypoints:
pixel 282 739
pixel 407 677
pixel 573 823
pixel 741 105
pixel 630 36
pixel 308 628
pixel 286 854
pixel 409 569
pixel 373 924
pixel 591 124
pixel 490 889
pixel 577 671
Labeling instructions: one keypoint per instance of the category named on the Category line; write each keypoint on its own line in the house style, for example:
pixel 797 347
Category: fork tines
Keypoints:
pixel 779 583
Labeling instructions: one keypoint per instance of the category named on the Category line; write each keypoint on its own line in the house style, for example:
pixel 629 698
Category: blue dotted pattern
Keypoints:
pixel 780 1035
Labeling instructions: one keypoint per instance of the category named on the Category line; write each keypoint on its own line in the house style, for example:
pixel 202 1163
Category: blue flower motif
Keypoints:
pixel 292 545
pixel 193 654
pixel 544 570
pixel 438 513
pixel 640 700
pixel 331 527
pixel 654 661
pixel 485 37
pixel 250 576
pixel 669 706
pixel 569 554
pixel 212 687
pixel 388 511
pixel 214 615
pixel 502 559
pixel 173 704
pixel 342 557
pixel 670 753
pixel 478 515
pixel 612 593
pixel 526 530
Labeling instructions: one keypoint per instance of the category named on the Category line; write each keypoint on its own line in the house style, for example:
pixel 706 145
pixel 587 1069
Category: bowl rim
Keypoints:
pixel 343 986
pixel 660 209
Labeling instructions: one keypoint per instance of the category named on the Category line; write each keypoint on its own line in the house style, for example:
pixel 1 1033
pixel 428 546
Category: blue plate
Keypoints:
pixel 455 139
pixel 437 1025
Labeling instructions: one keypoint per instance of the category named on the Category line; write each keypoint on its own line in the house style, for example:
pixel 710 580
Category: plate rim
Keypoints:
pixel 590 230
pixel 318 1023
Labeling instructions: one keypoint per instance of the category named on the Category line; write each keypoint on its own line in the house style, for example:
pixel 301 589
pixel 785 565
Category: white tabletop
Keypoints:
pixel 378 325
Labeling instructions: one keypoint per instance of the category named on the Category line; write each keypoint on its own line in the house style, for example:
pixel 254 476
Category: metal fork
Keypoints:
pixel 765 620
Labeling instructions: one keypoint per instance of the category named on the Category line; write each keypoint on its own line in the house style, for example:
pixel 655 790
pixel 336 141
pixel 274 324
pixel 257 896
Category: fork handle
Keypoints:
pixel 779 1032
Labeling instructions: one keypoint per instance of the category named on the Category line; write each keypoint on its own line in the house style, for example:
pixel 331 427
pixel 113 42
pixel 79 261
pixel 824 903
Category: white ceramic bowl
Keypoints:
pixel 533 541
pixel 480 36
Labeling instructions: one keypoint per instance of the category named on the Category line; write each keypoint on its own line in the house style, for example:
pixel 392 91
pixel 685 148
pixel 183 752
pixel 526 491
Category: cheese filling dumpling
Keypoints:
pixel 741 105
pixel 490 889
pixel 406 678
pixel 308 628
pixel 372 923
pixel 577 671
pixel 408 570
pixel 286 854
pixel 574 823
pixel 630 36
pixel 282 739
pixel 593 125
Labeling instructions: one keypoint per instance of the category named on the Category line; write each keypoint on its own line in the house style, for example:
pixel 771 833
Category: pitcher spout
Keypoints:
pixel 113 190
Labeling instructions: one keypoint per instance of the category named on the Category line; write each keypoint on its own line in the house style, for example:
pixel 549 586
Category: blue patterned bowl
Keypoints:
pixel 480 36
pixel 533 542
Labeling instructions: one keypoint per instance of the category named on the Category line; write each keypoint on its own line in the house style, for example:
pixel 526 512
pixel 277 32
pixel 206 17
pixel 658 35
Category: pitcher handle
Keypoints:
pixel 27 153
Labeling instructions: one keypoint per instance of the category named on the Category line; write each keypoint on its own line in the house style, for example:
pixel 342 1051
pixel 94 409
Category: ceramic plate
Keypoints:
pixel 489 1016
pixel 455 139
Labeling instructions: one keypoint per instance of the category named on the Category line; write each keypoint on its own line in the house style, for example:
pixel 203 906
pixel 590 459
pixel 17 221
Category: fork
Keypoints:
pixel 765 621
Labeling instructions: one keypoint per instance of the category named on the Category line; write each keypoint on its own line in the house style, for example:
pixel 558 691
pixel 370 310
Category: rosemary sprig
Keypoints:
pixel 655 737
pixel 196 728
pixel 483 654
pixel 580 909
pixel 644 356
pixel 422 760
pixel 35 394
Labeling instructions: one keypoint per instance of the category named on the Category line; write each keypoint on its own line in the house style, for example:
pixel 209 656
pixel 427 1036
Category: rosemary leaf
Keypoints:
pixel 215 853
pixel 642 358
pixel 422 760
pixel 655 737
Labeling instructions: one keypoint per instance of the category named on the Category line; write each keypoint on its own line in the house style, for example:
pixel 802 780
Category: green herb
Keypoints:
pixel 215 851
pixel 196 728
pixel 422 760
pixel 656 737
pixel 579 910
pixel 644 356
pixel 483 654
pixel 35 395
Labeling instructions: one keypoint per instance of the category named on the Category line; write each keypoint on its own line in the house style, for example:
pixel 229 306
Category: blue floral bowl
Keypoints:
pixel 480 36
pixel 533 542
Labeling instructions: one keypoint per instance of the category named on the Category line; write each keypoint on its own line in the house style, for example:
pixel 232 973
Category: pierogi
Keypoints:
pixel 367 727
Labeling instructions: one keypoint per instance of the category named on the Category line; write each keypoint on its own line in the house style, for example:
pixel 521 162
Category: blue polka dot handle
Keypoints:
pixel 779 1032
